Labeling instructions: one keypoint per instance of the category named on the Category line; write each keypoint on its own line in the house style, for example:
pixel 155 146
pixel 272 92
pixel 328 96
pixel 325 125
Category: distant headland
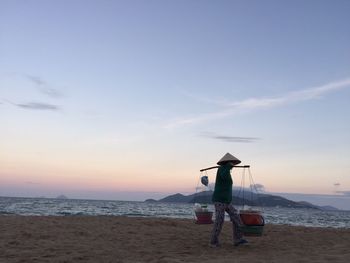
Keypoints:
pixel 250 199
pixel 61 197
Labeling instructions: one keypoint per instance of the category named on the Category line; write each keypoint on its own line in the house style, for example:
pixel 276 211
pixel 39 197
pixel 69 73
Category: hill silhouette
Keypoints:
pixel 243 198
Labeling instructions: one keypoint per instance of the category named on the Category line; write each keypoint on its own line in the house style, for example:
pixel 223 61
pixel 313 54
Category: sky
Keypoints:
pixel 130 99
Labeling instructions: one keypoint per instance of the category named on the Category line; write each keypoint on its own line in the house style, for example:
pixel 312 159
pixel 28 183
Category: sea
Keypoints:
pixel 76 207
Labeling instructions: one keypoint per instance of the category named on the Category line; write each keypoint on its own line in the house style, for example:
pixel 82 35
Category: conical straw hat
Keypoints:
pixel 229 158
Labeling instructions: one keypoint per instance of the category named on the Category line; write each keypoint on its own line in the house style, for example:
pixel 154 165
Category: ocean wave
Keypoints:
pixel 56 207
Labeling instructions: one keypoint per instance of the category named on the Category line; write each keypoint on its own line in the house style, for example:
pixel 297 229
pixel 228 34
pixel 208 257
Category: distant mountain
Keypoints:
pixel 324 207
pixel 242 198
pixel 176 198
pixel 275 200
pixel 151 201
pixel 328 208
pixel 61 197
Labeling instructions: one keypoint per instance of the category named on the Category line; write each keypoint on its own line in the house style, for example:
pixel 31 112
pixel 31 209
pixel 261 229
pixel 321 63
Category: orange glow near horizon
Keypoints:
pixel 96 170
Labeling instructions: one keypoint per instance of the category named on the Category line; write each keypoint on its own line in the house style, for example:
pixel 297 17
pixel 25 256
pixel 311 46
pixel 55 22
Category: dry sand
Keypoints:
pixel 125 239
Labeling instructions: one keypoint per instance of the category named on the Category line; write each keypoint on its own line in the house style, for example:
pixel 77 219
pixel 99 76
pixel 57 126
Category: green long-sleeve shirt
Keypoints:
pixel 223 184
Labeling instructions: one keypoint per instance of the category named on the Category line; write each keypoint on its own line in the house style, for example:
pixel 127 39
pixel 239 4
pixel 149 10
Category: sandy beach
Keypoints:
pixel 125 239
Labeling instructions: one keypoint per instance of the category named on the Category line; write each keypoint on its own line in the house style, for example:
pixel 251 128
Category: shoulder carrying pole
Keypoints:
pixel 236 166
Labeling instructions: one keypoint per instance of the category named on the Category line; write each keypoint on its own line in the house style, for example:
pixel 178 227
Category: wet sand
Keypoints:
pixel 125 239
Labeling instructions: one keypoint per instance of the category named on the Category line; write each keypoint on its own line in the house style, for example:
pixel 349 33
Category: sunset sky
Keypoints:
pixel 129 99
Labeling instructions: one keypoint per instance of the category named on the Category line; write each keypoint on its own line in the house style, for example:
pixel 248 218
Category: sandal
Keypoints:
pixel 240 242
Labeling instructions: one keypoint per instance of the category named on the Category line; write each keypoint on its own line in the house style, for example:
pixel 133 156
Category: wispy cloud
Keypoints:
pixel 252 104
pixel 36 80
pixel 292 97
pixel 226 138
pixel 34 105
pixel 260 188
pixel 38 106
pixel 44 87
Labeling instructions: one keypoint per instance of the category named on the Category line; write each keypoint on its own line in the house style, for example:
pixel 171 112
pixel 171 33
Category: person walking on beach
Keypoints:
pixel 222 198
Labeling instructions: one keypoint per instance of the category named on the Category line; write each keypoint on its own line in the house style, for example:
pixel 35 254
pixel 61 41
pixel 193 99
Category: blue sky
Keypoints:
pixel 137 96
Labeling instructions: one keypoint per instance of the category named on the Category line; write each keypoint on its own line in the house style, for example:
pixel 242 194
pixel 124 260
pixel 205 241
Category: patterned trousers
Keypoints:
pixel 220 209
